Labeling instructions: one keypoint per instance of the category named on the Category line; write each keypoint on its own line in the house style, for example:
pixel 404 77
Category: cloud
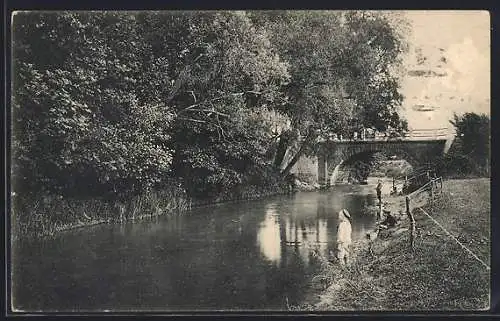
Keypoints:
pixel 462 37
pixel 468 70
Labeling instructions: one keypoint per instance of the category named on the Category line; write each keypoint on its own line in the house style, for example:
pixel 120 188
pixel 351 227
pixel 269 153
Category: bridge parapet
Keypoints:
pixel 411 135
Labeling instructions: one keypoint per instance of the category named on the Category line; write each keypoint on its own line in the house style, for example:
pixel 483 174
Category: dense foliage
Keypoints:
pixel 115 104
pixel 469 155
pixel 343 68
pixel 85 117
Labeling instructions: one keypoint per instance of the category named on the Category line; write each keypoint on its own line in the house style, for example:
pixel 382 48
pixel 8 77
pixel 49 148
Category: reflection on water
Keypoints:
pixel 268 236
pixel 277 232
pixel 248 255
pixel 309 224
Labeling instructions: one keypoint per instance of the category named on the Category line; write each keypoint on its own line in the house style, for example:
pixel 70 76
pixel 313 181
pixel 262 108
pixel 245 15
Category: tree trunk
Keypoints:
pixel 281 150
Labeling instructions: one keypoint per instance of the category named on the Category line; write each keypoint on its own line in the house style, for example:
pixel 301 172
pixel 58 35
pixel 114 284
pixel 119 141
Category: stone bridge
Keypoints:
pixel 418 147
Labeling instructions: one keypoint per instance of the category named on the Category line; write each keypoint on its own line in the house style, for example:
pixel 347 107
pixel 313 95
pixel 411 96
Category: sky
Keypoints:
pixel 463 38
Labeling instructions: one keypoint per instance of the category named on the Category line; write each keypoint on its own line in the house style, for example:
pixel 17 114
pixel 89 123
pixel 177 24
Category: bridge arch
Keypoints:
pixel 334 170
pixel 332 154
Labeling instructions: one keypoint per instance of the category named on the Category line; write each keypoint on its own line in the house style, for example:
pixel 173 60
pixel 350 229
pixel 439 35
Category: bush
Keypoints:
pixel 458 166
pixel 258 183
pixel 35 215
pixel 307 177
pixel 469 154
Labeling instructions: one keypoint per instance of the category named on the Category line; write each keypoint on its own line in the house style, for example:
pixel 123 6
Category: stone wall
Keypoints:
pixel 306 169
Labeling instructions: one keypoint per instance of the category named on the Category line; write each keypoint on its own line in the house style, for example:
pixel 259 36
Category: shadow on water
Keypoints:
pixel 249 255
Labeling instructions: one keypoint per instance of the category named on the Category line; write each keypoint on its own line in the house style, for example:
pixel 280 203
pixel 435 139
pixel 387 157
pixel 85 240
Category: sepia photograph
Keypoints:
pixel 245 160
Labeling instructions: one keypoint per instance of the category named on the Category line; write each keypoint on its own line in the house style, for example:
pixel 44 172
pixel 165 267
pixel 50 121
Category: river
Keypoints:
pixel 252 255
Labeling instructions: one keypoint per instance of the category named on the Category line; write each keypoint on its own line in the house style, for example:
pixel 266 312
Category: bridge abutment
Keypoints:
pixel 322 170
pixel 328 168
pixel 333 170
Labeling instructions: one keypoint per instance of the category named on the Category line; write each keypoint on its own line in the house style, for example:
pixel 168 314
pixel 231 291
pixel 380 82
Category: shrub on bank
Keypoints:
pixel 470 152
pixel 41 214
pixel 267 183
pixel 460 166
pixel 307 178
pixel 35 215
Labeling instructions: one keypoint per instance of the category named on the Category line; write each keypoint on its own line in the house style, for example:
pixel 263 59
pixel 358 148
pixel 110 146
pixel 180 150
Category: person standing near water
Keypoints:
pixel 379 191
pixel 344 240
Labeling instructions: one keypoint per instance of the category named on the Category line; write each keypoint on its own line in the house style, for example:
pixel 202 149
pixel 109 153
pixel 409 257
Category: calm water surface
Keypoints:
pixel 246 255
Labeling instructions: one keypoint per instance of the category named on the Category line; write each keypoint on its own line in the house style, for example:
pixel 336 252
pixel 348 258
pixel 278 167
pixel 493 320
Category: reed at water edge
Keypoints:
pixel 38 215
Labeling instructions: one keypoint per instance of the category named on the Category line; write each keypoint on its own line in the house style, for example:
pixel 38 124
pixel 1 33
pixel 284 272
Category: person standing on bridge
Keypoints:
pixel 379 191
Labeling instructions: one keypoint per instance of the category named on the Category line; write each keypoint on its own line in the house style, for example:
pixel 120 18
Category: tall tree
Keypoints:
pixel 81 123
pixel 226 77
pixel 341 75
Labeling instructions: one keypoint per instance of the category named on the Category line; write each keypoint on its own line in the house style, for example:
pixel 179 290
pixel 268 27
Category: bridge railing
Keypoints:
pixel 414 134
pixel 427 133
pixel 408 183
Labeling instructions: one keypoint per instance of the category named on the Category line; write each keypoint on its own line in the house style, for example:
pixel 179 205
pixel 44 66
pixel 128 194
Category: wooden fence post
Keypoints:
pixel 412 224
pixel 432 192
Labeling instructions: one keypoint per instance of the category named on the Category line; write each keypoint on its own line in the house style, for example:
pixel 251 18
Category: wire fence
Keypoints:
pixel 428 192
pixel 425 194
pixel 456 240
pixel 425 188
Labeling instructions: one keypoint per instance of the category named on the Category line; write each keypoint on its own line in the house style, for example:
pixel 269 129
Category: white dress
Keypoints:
pixel 344 240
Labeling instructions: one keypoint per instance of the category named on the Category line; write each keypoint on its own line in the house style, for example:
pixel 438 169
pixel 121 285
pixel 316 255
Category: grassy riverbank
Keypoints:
pixel 35 216
pixel 438 275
